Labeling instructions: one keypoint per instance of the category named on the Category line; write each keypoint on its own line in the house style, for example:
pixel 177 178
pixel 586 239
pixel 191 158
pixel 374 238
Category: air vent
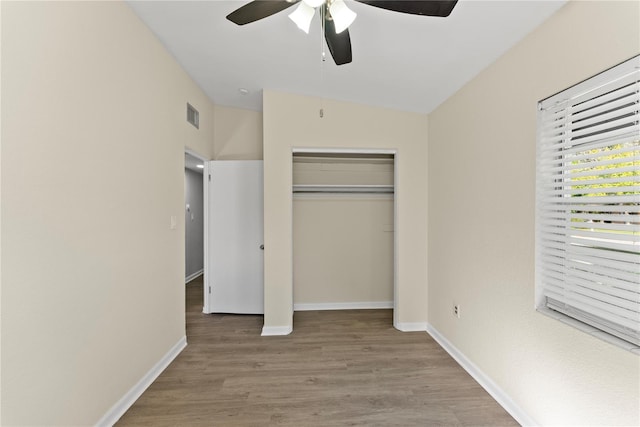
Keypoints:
pixel 193 116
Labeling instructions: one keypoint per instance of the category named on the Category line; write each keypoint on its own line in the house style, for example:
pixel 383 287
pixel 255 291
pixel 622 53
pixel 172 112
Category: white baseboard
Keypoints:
pixel 411 327
pixel 492 388
pixel 193 276
pixel 268 331
pixel 342 305
pixel 122 405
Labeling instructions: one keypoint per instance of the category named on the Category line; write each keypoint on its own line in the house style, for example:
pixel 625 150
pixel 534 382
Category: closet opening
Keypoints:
pixel 344 206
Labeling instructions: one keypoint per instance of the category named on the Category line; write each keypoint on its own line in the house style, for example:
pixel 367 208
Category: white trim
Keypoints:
pixel 130 397
pixel 367 305
pixel 335 150
pixel 193 276
pixel 268 331
pixel 483 379
pixel 207 273
pixel 193 153
pixel 342 150
pixel 410 327
pixel 396 233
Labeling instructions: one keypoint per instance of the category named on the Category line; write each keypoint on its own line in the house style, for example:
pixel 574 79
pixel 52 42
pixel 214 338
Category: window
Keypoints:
pixel 588 205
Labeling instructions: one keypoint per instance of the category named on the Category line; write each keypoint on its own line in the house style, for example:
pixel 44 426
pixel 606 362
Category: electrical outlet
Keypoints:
pixel 456 310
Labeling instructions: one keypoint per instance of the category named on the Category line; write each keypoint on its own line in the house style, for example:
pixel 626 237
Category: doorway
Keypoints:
pixel 194 215
pixel 344 229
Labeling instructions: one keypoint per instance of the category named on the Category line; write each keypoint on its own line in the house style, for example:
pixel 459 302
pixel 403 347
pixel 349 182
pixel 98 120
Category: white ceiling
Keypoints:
pixel 400 61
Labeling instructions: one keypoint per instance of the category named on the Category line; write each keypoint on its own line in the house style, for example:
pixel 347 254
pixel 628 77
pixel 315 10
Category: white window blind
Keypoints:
pixel 588 202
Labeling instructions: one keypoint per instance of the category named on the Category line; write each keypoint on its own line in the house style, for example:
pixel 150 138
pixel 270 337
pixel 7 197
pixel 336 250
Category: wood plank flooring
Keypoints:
pixel 338 368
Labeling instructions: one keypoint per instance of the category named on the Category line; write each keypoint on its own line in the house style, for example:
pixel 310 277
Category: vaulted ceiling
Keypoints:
pixel 400 61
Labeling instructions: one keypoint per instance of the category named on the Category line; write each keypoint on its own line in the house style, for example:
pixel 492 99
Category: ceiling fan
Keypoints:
pixel 335 16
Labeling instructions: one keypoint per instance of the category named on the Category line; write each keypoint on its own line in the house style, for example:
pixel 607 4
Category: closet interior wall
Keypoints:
pixel 343 231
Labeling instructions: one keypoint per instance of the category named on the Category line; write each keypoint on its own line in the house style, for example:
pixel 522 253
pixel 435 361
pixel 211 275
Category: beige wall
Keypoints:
pixel 93 137
pixel 93 134
pixel 293 121
pixel 481 225
pixel 238 134
pixel 342 249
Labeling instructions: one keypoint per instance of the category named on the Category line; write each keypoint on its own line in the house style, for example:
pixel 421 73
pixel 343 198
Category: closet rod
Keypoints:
pixel 359 189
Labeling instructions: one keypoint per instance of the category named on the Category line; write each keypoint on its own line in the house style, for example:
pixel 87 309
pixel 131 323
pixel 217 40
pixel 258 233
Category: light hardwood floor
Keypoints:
pixel 338 368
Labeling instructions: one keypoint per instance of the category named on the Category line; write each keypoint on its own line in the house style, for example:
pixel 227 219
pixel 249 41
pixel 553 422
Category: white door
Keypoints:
pixel 235 237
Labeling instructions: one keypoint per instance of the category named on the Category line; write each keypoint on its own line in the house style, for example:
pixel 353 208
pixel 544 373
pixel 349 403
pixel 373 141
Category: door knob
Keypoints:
pixel 262 247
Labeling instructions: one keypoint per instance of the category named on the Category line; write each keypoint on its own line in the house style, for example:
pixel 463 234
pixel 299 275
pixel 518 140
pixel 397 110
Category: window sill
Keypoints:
pixel 597 333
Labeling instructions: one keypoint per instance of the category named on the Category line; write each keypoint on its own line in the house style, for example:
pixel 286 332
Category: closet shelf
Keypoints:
pixel 315 188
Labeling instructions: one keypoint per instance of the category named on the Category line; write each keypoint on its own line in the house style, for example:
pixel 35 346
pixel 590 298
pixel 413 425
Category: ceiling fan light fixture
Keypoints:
pixel 302 16
pixel 336 17
pixel 342 15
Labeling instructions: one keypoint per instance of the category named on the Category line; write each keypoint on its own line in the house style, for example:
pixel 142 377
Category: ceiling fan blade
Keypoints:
pixel 258 9
pixel 415 7
pixel 339 44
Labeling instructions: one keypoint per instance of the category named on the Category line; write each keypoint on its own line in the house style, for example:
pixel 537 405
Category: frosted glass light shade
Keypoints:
pixel 342 15
pixel 302 16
